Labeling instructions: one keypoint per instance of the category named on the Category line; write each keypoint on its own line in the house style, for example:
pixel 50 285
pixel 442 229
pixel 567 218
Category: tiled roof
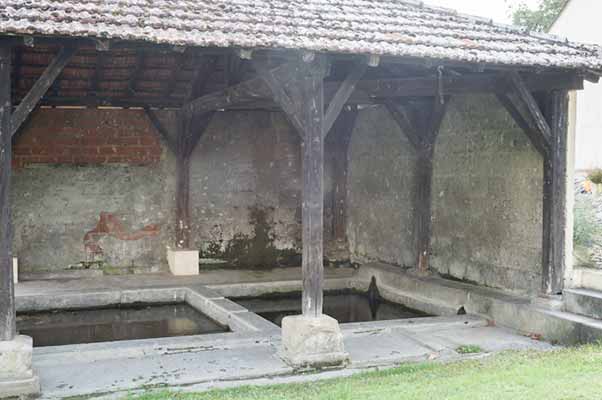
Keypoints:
pixel 384 27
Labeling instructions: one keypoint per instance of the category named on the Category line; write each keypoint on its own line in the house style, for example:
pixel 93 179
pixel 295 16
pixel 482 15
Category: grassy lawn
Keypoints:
pixel 574 373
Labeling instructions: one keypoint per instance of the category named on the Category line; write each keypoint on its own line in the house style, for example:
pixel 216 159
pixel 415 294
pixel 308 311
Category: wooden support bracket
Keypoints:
pixel 41 87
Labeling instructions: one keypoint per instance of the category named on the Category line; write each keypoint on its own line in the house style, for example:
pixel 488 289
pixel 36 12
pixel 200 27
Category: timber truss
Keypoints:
pixel 318 94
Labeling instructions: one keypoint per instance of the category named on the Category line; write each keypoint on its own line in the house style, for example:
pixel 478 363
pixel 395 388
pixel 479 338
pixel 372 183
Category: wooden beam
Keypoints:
pixel 423 223
pixel 555 191
pixel 161 129
pixel 276 86
pixel 7 297
pixel 402 117
pixel 337 143
pixel 304 104
pixel 311 115
pixel 41 86
pixel 376 91
pixel 513 108
pixel 523 93
pixel 342 95
pixel 190 131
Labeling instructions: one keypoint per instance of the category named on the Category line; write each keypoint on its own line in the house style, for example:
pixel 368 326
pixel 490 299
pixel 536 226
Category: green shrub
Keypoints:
pixel 596 176
pixel 586 228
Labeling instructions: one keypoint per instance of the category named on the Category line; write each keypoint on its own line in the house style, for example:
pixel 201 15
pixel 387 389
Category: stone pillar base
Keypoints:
pixel 312 342
pixel 16 375
pixel 183 262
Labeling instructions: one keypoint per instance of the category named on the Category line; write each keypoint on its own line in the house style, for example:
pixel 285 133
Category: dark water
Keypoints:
pixel 344 307
pixel 112 324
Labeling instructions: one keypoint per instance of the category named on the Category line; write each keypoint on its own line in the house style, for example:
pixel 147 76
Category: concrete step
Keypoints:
pixel 583 302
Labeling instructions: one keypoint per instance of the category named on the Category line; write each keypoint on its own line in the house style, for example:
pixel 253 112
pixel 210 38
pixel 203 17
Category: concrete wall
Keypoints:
pixel 580 22
pixel 487 194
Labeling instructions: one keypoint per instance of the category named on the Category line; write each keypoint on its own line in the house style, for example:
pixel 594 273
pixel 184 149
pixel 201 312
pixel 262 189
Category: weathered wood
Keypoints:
pixel 189 133
pixel 423 220
pixel 555 190
pixel 276 86
pixel 7 298
pixel 304 104
pixel 41 86
pixel 342 95
pixel 408 127
pixel 526 97
pixel 526 124
pixel 337 144
pixel 312 115
pixel 161 129
pixel 375 91
pixel 422 132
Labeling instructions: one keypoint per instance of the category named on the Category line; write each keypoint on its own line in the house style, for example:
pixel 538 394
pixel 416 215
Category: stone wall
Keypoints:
pixel 97 188
pixel 487 196
pixel 91 188
pixel 380 190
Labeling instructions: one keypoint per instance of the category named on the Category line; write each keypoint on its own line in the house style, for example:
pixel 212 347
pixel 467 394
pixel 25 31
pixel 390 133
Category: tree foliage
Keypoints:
pixel 539 19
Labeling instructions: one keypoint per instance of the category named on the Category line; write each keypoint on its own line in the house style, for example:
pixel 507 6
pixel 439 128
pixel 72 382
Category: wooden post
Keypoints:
pixel 423 182
pixel 7 297
pixel 189 132
pixel 311 93
pixel 554 198
pixel 337 143
pixel 421 130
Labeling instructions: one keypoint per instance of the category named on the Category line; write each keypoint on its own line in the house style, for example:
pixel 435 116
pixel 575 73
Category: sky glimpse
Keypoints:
pixel 498 10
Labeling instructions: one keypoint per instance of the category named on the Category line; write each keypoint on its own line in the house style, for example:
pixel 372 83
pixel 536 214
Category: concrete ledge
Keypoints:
pixel 540 317
pixel 588 278
pixel 583 302
pixel 16 375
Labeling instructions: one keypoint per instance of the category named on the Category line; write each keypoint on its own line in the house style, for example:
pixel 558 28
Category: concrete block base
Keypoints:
pixel 312 342
pixel 183 262
pixel 16 375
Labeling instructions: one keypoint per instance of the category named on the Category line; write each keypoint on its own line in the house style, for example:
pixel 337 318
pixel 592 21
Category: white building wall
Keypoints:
pixel 580 21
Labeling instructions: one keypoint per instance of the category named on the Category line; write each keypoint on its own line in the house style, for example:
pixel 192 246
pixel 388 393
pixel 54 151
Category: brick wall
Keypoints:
pixel 85 137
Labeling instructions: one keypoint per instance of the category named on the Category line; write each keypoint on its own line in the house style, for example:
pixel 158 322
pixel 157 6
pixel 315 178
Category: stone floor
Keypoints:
pixel 199 363
pixel 207 361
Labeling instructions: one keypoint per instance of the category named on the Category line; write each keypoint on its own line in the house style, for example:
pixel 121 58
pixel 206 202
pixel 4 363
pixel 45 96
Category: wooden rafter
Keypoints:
pixel 38 90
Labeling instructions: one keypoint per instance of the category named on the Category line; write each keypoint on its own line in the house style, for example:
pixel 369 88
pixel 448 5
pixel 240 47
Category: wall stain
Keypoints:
pixel 256 251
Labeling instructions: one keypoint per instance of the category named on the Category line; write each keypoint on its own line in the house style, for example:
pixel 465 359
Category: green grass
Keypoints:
pixel 574 373
pixel 469 349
